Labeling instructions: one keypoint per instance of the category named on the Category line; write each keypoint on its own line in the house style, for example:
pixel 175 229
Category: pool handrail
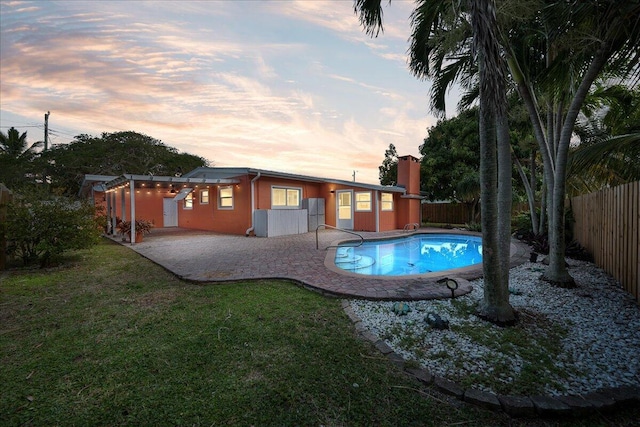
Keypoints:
pixel 339 229
pixel 411 227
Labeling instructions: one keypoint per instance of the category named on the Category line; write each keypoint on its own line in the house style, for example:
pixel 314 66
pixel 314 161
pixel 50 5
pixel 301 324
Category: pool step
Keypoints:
pixel 358 262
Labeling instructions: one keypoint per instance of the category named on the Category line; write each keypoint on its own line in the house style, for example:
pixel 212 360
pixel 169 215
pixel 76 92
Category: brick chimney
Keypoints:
pixel 409 174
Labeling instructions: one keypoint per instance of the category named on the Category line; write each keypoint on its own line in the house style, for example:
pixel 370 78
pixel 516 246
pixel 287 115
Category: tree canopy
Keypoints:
pixel 113 154
pixel 16 158
pixel 449 156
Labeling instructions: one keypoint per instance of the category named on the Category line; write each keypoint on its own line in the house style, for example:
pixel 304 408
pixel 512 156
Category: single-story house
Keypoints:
pixel 258 202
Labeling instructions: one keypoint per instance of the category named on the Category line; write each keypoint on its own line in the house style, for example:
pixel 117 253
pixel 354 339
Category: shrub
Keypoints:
pixel 41 229
pixel 473 226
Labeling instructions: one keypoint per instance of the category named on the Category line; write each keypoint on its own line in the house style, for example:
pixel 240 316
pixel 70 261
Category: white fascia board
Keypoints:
pixel 182 194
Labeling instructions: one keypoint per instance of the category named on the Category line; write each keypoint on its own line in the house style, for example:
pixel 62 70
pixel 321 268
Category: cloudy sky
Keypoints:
pixel 293 86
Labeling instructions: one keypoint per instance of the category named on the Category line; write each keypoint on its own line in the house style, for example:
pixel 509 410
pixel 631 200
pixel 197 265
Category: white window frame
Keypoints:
pixel 358 202
pixel 188 201
pixel 386 205
pixel 220 198
pixel 286 197
pixel 204 193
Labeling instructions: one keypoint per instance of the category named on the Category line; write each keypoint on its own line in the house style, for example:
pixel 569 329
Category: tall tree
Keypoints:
pixel 16 158
pixel 556 57
pixel 114 154
pixel 388 171
pixel 495 154
pixel 495 165
pixel 450 162
pixel 555 50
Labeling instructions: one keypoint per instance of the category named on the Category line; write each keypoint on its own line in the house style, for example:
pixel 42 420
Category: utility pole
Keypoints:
pixel 46 130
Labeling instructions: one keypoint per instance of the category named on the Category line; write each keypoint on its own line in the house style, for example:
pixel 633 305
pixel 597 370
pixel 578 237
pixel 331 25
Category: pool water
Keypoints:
pixel 415 254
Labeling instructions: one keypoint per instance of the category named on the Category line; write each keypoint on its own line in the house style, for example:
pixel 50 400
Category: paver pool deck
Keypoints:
pixel 212 257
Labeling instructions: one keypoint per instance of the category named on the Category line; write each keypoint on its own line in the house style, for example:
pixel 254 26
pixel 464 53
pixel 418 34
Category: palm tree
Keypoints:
pixel 555 50
pixel 609 150
pixel 14 145
pixel 495 165
pixel 16 158
pixel 495 153
pixel 574 43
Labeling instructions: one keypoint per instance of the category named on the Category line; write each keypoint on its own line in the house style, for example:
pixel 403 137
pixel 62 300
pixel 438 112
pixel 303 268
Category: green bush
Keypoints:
pixel 39 229
pixel 473 226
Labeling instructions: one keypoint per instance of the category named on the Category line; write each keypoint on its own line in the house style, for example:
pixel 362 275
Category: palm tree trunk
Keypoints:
pixel 557 272
pixel 495 201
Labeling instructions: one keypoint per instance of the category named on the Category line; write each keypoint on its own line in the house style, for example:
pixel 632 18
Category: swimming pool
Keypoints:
pixel 415 254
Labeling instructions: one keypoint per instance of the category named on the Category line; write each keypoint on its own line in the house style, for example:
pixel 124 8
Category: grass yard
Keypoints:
pixel 110 338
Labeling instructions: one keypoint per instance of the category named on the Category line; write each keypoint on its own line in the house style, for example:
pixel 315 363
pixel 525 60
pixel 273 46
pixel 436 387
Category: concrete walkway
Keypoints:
pixel 209 257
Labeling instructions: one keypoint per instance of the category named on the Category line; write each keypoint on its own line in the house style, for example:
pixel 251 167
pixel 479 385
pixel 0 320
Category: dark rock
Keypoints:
pixel 547 406
pixel 517 406
pixel 600 401
pixel 401 308
pixel 623 395
pixel 396 359
pixel 482 398
pixel 383 347
pixel 448 387
pixel 369 336
pixel 422 375
pixel 578 405
pixel 435 321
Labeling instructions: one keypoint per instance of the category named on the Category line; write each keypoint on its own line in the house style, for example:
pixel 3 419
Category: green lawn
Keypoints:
pixel 110 338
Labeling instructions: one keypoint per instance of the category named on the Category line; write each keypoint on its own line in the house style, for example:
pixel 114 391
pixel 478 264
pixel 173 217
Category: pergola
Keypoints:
pixel 179 187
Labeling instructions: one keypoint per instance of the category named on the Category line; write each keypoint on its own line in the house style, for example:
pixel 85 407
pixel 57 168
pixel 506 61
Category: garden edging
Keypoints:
pixel 516 406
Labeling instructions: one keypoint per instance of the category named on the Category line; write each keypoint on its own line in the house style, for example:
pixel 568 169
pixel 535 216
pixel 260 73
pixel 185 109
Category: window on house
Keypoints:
pixel 387 202
pixel 363 201
pixel 225 198
pixel 204 197
pixel 285 198
pixel 188 201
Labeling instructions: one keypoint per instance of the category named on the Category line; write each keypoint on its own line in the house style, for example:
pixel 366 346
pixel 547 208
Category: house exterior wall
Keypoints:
pixel 236 220
pixel 212 217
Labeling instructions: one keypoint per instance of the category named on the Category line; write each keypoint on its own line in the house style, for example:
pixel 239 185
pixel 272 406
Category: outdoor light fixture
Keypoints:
pixel 332 191
pixel 451 284
pixel 173 190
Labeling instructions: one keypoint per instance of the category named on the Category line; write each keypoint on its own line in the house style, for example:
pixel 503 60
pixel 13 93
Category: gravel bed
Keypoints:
pixel 596 328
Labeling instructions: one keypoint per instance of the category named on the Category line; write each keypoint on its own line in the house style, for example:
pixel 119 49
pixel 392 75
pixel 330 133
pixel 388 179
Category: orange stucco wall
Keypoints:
pixel 209 216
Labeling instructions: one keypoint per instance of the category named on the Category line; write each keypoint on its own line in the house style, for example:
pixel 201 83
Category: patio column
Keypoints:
pixel 377 196
pixel 132 201
pixel 112 197
pixel 107 197
pixel 123 204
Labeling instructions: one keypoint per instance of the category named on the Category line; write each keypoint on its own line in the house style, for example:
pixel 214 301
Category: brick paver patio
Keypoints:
pixel 209 257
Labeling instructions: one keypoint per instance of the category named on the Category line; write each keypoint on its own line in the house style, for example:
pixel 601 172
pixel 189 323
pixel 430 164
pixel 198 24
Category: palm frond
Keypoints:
pixel 370 15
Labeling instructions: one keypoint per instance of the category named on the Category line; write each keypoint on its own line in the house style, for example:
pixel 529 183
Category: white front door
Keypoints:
pixel 344 209
pixel 169 213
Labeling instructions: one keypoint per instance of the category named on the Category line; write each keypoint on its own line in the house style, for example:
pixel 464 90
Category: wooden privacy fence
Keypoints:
pixel 445 213
pixel 607 224
pixel 456 213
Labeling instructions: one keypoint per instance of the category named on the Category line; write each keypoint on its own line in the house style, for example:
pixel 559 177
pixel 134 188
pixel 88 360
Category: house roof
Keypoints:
pixel 107 182
pixel 212 176
pixel 208 172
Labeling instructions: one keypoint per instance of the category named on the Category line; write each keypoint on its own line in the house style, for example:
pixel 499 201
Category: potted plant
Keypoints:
pixel 142 227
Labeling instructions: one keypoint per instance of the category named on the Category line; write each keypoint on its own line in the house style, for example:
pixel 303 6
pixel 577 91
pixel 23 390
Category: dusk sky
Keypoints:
pixel 293 86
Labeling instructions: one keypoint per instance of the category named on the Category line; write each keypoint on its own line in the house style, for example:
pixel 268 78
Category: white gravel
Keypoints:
pixel 598 324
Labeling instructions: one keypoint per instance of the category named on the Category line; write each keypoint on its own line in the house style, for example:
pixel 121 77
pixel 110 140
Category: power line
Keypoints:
pixel 23 126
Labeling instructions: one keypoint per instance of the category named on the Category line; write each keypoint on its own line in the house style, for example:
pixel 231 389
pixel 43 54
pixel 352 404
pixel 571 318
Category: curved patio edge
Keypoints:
pixel 205 257
pixel 516 406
